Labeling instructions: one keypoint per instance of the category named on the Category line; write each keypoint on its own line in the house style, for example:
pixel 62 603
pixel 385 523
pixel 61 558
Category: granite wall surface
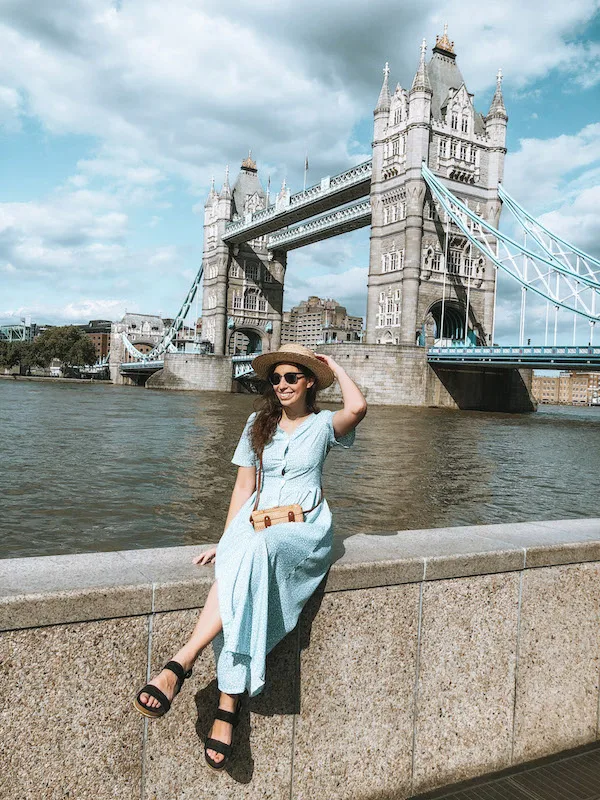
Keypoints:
pixel 425 658
pixel 193 371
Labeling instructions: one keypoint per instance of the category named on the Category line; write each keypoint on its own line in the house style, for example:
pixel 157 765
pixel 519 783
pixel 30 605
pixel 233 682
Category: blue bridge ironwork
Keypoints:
pixel 582 358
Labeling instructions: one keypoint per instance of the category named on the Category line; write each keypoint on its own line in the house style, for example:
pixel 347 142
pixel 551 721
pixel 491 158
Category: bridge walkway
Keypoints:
pixel 572 775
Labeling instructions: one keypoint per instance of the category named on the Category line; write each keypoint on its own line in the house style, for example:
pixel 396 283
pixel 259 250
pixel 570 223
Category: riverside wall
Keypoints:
pixel 424 658
pixel 386 374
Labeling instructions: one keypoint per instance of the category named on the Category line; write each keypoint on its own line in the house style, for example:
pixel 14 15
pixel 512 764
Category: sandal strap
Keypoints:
pixel 156 693
pixel 218 746
pixel 226 716
pixel 179 671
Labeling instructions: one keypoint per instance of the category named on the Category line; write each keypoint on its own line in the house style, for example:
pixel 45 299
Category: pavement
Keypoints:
pixel 573 775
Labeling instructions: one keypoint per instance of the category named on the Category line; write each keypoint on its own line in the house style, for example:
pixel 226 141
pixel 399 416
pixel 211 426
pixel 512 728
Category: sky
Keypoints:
pixel 114 116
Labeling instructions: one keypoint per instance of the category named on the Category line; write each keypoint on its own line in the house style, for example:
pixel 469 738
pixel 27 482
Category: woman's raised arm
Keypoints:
pixel 355 405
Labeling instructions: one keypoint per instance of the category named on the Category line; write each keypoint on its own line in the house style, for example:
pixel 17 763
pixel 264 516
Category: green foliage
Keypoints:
pixel 21 354
pixel 67 343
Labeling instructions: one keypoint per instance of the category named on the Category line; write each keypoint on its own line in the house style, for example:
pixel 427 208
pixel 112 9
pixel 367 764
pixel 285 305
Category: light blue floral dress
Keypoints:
pixel 264 578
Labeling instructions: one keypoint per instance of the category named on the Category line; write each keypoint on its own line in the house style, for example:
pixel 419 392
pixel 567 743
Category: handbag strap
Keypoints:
pixel 259 484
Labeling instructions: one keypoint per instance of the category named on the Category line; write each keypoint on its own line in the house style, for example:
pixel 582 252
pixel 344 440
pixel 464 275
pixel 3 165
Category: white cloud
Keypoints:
pixel 171 92
pixel 73 312
pixel 558 180
pixel 538 174
pixel 187 87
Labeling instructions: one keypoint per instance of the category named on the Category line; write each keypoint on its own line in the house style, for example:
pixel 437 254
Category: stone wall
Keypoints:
pixel 193 371
pixel 400 375
pixel 425 658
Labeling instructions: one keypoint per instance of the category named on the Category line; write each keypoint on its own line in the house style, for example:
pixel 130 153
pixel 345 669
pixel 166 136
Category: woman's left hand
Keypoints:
pixel 333 365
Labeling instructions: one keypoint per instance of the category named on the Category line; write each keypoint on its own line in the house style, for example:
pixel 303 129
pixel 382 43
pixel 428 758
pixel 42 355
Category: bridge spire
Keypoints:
pixel 383 103
pixel 226 190
pixel 497 108
pixel 212 193
pixel 421 80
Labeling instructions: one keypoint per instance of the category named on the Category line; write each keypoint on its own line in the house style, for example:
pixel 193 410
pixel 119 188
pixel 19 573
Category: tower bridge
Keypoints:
pixel 432 195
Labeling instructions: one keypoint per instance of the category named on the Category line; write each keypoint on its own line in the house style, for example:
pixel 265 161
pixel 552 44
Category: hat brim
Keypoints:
pixel 262 366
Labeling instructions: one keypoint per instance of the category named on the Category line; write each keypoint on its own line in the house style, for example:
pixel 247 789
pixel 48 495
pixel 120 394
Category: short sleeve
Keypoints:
pixel 347 440
pixel 244 455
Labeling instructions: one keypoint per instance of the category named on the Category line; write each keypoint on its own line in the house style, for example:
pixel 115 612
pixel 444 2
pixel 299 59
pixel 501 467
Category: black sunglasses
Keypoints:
pixel 290 377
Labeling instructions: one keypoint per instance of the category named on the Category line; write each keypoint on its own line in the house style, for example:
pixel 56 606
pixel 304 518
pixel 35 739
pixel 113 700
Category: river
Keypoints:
pixel 88 467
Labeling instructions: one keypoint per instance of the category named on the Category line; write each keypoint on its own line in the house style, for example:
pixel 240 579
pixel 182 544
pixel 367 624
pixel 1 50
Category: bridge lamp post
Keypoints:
pixel 269 331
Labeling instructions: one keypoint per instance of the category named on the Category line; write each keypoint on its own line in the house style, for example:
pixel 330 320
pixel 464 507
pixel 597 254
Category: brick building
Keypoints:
pixel 316 321
pixel 568 388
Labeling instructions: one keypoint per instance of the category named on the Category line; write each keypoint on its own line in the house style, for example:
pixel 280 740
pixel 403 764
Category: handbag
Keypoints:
pixel 266 517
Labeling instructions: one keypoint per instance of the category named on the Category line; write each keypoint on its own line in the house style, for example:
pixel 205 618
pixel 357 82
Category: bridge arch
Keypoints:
pixel 144 346
pixel 245 339
pixel 454 322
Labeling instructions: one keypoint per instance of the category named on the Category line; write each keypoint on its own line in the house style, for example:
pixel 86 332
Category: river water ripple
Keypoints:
pixel 89 467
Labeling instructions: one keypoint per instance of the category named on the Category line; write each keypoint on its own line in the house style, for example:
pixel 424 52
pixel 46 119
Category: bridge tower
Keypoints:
pixel 415 275
pixel 242 300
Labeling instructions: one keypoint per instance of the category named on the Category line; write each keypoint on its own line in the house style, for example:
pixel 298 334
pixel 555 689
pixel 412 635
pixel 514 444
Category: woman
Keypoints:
pixel 264 577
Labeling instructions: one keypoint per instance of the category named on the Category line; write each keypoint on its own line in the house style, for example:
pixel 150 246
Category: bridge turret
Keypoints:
pixel 380 123
pixel 419 114
pixel 495 128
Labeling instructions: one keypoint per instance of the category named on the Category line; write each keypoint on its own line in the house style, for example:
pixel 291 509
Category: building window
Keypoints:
pixel 268 276
pixel 251 269
pixel 392 261
pixel 250 298
pixel 237 300
pixel 463 152
pixel 453 148
pixel 454 259
pixel 390 213
pixel 454 123
pixel 397 116
pixel 388 311
pixel 464 124
pixel 393 210
pixel 234 271
pixel 262 304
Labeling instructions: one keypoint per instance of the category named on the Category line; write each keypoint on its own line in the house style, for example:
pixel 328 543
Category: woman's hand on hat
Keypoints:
pixel 333 365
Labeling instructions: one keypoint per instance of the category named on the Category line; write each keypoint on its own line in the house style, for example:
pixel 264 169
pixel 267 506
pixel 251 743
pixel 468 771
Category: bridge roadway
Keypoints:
pixel 581 358
pixel 342 220
pixel 330 193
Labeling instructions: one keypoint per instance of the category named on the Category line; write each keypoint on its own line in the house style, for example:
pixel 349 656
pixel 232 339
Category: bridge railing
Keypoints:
pixel 327 186
pixel 331 220
pixel 586 358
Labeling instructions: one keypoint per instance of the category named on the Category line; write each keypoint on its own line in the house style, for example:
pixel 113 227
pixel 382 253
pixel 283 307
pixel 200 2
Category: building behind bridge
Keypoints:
pixel 98 331
pixel 316 321
pixel 569 388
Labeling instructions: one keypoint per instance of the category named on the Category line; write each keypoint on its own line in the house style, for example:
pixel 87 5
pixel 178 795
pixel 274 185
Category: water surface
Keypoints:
pixel 88 467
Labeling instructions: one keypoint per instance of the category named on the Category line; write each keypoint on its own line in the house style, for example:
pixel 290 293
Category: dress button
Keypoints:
pixel 283 471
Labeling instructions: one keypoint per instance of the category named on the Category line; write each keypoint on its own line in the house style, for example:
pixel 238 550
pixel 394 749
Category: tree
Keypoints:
pixel 21 354
pixel 67 343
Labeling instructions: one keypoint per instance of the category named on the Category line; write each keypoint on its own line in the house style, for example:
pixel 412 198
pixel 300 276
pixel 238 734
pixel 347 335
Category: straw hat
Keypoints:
pixel 293 353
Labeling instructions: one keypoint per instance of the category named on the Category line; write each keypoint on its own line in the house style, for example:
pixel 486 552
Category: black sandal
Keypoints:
pixel 154 691
pixel 233 717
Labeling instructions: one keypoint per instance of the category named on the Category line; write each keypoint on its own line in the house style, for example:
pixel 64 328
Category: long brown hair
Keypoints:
pixel 268 410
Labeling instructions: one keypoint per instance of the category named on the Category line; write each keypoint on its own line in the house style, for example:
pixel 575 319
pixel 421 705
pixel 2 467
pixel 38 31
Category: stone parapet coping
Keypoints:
pixel 51 590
